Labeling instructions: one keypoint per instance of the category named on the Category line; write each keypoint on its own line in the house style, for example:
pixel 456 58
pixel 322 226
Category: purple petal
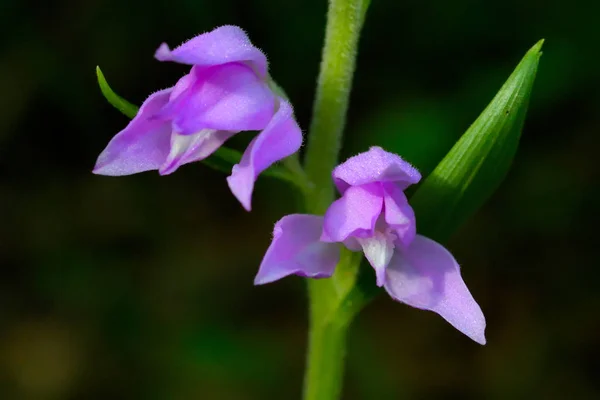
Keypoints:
pixel 227 97
pixel 182 85
pixel 142 146
pixel 296 249
pixel 281 138
pixel 426 276
pixel 223 45
pixel 375 165
pixel 399 214
pixel 189 148
pixel 354 214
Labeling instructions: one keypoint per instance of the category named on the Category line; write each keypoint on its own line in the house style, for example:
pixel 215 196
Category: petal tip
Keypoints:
pixel 164 171
pixel 241 188
pixel 380 278
pixel 168 167
pixel 268 275
pixel 244 200
pixel 109 169
pixel 474 327
pixel 478 335
pixel 262 280
pixel 97 170
pixel 163 53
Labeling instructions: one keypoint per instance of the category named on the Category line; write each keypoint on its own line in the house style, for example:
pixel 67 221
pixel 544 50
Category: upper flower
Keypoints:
pixel 225 92
pixel 373 216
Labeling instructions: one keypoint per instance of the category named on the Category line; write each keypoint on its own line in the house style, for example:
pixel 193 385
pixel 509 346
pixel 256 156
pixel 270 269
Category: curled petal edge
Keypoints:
pixel 281 138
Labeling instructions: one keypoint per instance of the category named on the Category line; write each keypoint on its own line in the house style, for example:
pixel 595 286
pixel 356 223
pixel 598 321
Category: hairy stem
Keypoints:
pixel 344 22
pixel 329 314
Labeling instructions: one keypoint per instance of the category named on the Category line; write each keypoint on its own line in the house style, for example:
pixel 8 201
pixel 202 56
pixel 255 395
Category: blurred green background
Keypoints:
pixel 141 287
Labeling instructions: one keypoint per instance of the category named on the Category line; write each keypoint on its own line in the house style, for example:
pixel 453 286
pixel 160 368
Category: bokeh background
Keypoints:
pixel 141 287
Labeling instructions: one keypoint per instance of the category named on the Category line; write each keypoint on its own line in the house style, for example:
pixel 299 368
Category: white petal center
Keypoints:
pixel 186 148
pixel 182 145
pixel 379 248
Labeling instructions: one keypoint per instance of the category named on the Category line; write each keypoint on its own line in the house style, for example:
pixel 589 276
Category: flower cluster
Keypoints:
pixel 373 216
pixel 225 92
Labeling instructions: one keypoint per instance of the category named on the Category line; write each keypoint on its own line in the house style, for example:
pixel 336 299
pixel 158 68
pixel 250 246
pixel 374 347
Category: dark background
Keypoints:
pixel 141 287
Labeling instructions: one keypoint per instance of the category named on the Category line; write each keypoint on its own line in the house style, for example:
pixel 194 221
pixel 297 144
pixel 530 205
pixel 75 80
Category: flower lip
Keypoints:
pixel 379 249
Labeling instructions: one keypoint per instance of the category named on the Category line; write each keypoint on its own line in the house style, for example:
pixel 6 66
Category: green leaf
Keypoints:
pixel 479 161
pixel 114 99
pixel 222 160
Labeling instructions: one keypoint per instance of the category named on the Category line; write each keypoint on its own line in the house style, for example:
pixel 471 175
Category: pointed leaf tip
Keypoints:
pixel 114 99
pixel 478 162
pixel 537 48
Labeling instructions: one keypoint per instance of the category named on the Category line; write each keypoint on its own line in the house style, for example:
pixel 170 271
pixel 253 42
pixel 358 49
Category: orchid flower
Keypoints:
pixel 373 216
pixel 225 92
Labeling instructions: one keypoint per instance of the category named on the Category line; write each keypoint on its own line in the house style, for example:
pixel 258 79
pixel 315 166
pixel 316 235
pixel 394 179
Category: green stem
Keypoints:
pixel 330 312
pixel 344 22
pixel 334 303
pixel 327 348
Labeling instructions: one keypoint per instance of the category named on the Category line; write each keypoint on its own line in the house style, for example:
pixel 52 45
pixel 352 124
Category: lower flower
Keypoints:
pixel 373 216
